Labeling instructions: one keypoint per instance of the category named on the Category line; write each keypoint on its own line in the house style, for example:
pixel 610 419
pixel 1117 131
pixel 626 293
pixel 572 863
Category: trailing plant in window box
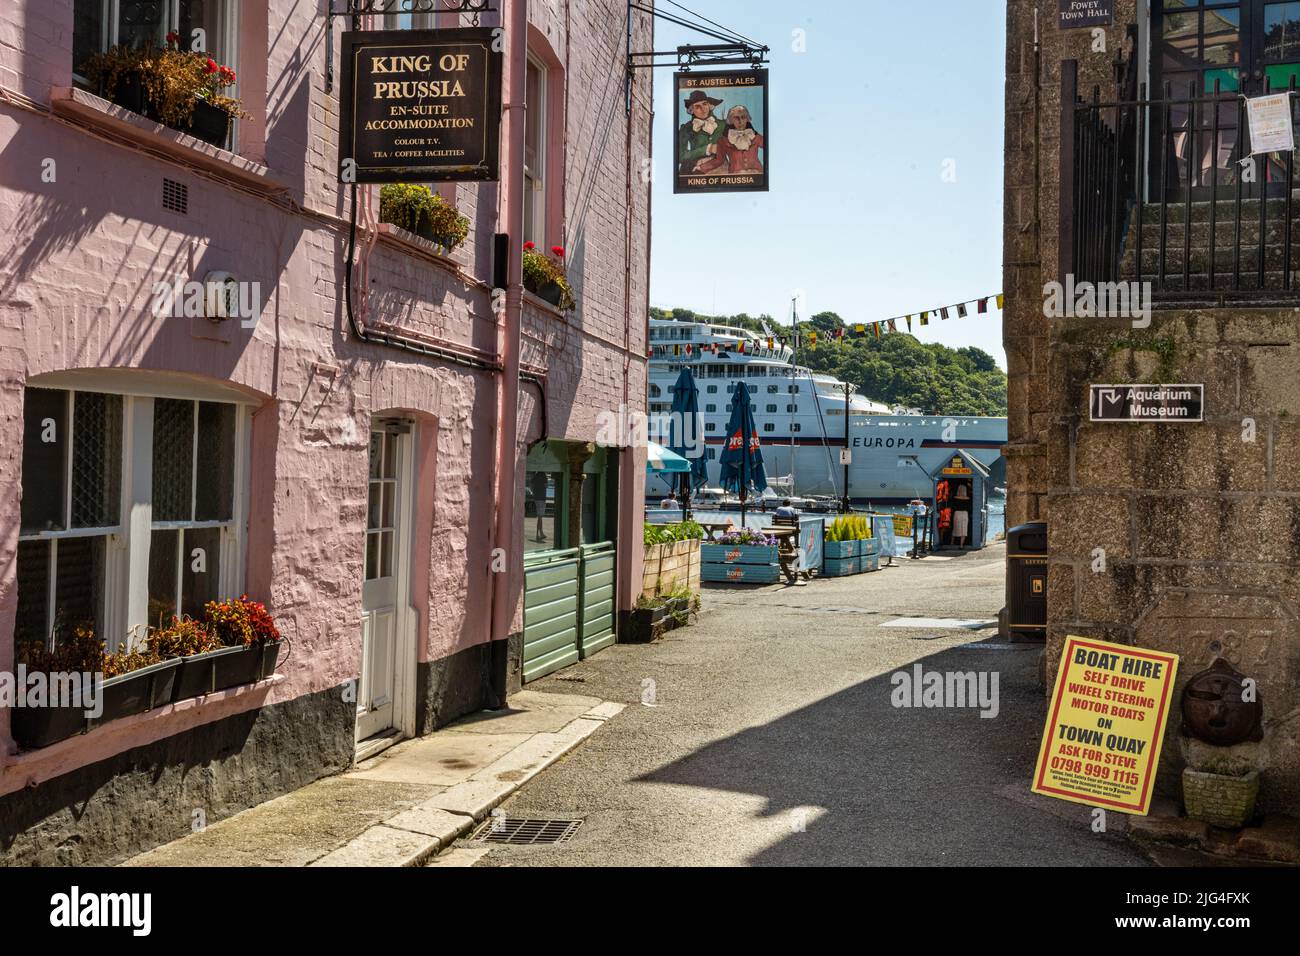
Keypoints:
pixel 178 88
pixel 421 211
pixel 544 276
pixel 129 682
pixel 247 624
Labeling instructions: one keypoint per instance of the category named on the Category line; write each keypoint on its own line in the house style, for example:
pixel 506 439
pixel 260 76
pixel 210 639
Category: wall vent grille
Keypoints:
pixel 176 196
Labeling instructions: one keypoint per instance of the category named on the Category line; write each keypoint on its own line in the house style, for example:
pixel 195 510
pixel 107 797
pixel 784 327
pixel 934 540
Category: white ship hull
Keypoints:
pixel 799 417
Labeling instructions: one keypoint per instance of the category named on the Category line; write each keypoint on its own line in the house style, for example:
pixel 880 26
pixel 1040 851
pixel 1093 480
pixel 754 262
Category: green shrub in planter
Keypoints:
pixel 544 276
pixel 419 210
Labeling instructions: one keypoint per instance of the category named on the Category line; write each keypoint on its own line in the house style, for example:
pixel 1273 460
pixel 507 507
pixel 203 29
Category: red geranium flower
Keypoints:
pixel 529 245
pixel 212 65
pixel 173 37
pixel 558 250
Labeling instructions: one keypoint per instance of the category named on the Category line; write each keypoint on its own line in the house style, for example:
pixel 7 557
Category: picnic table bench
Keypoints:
pixel 787 538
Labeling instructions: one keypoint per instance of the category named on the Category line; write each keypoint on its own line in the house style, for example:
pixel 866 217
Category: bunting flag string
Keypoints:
pixel 962 310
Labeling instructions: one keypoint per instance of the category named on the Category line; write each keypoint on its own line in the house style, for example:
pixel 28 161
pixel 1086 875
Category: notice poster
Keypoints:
pixel 722 132
pixel 1270 123
pixel 420 106
pixel 1101 744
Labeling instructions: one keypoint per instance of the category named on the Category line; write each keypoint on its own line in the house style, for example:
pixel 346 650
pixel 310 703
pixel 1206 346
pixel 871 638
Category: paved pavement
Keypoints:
pixel 401 807
pixel 765 735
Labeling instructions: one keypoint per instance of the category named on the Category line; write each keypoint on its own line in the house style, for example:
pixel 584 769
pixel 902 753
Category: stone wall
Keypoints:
pixel 1199 524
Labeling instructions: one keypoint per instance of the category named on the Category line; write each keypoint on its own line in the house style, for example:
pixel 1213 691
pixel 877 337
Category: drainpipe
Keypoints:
pixel 511 219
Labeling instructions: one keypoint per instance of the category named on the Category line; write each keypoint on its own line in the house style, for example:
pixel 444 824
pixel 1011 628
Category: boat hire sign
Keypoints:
pixel 420 106
pixel 722 134
pixel 1101 744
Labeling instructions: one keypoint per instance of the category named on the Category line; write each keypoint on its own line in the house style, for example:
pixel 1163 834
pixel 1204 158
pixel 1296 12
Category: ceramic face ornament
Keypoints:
pixel 1214 708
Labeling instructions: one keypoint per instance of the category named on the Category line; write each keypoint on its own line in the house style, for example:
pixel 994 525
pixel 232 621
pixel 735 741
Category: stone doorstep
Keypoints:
pixel 1276 840
pixel 413 837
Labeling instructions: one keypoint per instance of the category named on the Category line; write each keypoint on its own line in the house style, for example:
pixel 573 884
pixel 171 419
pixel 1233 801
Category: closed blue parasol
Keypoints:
pixel 686 437
pixel 742 456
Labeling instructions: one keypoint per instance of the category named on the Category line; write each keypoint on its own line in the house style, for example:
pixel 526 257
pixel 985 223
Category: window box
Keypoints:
pixel 210 124
pixel 198 672
pixel 552 294
pixel 270 658
pixel 34 727
pixel 242 667
pixel 129 94
pixel 424 214
pixel 137 691
pixel 544 277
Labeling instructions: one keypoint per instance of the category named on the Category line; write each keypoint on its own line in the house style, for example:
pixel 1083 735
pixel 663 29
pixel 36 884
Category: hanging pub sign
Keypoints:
pixel 420 106
pixel 721 144
pixel 1086 13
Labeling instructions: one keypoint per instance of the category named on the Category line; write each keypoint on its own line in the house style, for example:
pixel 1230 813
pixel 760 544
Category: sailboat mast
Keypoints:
pixel 794 402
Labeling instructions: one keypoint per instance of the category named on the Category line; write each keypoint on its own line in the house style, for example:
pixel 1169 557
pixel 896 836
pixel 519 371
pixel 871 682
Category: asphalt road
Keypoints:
pixel 772 739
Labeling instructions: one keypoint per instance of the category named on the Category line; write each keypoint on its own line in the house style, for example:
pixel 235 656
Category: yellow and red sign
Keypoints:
pixel 1101 744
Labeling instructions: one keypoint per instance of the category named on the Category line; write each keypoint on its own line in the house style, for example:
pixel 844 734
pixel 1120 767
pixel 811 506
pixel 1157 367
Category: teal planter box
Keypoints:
pixel 869 562
pixel 729 554
pixel 740 573
pixel 840 567
pixel 838 550
pixel 870 546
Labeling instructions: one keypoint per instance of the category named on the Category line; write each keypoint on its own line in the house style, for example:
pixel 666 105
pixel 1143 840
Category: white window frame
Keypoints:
pixel 231 544
pixel 126 554
pixel 535 178
pixel 112 534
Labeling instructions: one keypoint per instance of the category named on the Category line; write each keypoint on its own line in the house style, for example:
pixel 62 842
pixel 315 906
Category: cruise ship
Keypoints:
pixel 800 416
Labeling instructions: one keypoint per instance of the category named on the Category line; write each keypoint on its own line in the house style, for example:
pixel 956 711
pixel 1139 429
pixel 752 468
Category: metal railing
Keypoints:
pixel 1150 185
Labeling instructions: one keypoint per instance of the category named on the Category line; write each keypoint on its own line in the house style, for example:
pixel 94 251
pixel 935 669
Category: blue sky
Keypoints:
pixel 859 216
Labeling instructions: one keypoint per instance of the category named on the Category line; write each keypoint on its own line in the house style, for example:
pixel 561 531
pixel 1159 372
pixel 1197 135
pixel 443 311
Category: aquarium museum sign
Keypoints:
pixel 420 106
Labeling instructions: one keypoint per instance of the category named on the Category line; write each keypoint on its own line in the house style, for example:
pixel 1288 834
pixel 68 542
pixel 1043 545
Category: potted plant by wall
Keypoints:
pixel 544 276
pixel 182 89
pixel 652 617
pixel 419 210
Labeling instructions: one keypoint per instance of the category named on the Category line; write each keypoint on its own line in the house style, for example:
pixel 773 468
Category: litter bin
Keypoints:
pixel 1027 578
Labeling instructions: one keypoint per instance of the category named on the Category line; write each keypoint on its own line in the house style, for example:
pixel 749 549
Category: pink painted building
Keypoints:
pixel 380 481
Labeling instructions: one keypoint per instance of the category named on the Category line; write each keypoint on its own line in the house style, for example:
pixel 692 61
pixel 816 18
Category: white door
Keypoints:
pixel 382 600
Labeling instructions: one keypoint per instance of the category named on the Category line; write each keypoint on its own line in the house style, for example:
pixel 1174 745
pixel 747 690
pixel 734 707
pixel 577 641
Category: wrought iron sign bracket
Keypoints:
pixel 714 54
pixel 734 49
pixel 356 9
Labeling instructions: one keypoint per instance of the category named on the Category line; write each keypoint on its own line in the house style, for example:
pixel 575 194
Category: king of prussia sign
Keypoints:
pixel 420 106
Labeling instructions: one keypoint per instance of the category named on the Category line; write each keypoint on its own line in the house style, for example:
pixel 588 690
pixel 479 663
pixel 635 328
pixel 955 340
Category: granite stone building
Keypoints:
pixel 379 476
pixel 1128 159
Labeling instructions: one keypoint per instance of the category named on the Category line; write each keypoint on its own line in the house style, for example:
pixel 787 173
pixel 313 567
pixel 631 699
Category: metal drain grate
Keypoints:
pixel 525 831
pixel 176 196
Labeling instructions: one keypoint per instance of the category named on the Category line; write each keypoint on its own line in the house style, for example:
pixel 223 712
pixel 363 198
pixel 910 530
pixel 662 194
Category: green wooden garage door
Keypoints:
pixel 597 598
pixel 569 608
pixel 550 611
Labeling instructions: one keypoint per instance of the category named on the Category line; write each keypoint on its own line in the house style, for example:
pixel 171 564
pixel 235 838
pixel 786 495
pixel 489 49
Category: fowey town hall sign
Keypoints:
pixel 420 106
